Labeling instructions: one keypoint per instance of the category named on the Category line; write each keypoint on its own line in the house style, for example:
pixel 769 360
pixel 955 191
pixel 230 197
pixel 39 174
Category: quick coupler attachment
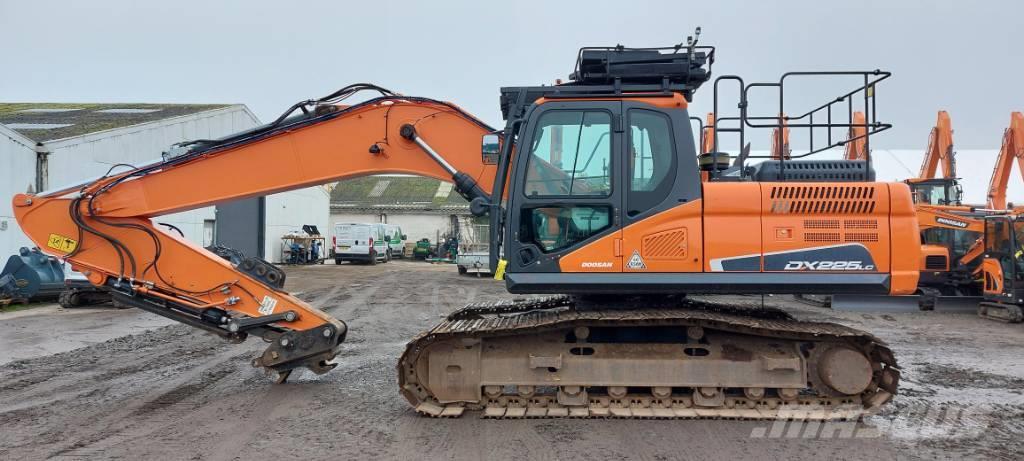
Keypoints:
pixel 312 349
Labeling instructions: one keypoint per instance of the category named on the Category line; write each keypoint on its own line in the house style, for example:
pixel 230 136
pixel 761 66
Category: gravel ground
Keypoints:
pixel 169 392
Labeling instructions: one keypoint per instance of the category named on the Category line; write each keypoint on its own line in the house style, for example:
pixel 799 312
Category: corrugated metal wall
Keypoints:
pixel 17 174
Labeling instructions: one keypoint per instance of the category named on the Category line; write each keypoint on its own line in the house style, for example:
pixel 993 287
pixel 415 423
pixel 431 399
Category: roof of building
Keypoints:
pixel 42 122
pixel 391 192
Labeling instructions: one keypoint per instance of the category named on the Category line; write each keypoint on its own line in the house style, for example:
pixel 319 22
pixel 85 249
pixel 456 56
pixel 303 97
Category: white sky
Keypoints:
pixel 954 55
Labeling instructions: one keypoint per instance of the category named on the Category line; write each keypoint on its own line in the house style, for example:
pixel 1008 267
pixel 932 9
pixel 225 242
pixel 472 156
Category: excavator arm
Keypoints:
pixel 940 150
pixel 104 228
pixel 856 141
pixel 708 137
pixel 780 140
pixel 1011 149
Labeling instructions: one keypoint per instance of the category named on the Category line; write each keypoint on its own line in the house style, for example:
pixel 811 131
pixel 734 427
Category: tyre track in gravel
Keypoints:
pixel 256 420
pixel 174 400
pixel 154 400
pixel 175 393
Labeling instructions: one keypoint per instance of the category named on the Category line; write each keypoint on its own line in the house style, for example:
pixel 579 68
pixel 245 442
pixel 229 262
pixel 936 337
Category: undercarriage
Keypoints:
pixel 1008 313
pixel 562 357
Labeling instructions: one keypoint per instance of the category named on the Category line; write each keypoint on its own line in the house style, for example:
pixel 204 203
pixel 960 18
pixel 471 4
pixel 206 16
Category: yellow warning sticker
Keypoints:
pixel 61 243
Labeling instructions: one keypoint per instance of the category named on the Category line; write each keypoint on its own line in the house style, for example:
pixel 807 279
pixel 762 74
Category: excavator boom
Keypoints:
pixel 780 140
pixel 1012 149
pixel 940 150
pixel 105 231
pixel 856 144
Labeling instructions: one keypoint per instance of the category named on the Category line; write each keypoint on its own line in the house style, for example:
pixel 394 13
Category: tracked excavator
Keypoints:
pixel 596 203
pixel 1003 264
pixel 971 249
pixel 951 232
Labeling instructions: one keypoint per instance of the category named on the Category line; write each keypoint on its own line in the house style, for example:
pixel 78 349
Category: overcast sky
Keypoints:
pixel 955 55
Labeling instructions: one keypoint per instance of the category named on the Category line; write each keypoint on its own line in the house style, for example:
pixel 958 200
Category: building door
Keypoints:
pixel 241 224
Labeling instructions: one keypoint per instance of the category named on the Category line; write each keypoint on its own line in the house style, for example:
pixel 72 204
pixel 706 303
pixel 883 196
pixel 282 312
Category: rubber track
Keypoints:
pixel 528 316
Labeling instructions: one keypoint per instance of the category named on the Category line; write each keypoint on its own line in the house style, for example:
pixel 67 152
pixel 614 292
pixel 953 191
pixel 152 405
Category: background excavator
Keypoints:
pixel 1003 264
pixel 594 193
pixel 951 232
pixel 970 250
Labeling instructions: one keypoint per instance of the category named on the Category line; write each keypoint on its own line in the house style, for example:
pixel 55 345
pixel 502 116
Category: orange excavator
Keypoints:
pixel 971 250
pixel 1002 268
pixel 595 200
pixel 951 244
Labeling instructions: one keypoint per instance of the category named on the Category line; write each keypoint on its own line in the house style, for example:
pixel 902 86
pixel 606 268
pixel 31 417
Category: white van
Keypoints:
pixel 359 242
pixel 396 240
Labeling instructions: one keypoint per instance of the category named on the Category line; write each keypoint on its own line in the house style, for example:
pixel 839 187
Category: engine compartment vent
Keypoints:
pixel 821 224
pixel 824 200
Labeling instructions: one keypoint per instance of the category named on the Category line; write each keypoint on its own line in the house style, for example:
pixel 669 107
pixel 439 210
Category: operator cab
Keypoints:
pixel 1004 259
pixel 615 146
pixel 936 191
pixel 609 148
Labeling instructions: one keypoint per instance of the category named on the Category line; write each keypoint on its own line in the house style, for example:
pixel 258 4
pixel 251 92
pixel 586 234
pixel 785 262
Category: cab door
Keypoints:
pixel 661 190
pixel 566 200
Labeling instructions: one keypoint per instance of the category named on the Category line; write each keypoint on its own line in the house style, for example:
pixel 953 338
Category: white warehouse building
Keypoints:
pixel 44 146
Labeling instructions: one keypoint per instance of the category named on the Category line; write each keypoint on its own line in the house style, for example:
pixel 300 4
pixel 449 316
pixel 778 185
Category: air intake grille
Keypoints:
pixel 822 199
pixel 860 224
pixel 821 224
pixel 665 245
pixel 847 230
pixel 861 236
pixel 935 262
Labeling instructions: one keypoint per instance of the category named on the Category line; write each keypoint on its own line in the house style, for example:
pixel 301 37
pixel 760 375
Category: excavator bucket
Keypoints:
pixel 31 273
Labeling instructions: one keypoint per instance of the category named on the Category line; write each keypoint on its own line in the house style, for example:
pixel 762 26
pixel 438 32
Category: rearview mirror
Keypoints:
pixel 490 148
pixel 404 237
